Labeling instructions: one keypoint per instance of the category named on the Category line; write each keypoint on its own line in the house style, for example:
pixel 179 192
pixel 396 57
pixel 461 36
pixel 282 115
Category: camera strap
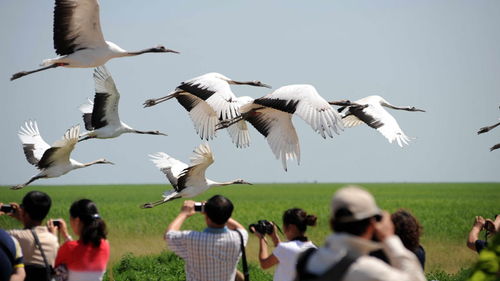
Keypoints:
pixel 243 257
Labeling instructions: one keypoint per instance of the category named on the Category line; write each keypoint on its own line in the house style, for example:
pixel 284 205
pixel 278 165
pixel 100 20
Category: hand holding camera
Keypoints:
pixel 262 227
pixel 58 226
pixel 384 228
pixel 11 209
pixel 6 208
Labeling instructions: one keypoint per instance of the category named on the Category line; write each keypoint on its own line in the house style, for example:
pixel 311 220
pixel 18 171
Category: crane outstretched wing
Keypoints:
pixel 215 92
pixel 33 144
pixel 305 101
pixel 76 26
pixel 378 118
pixel 276 126
pixel 170 166
pixel 194 175
pixel 203 116
pixel 60 151
pixel 106 99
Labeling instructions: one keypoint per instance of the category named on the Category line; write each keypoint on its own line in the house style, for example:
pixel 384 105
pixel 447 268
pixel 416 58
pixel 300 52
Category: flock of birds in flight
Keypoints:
pixel 208 99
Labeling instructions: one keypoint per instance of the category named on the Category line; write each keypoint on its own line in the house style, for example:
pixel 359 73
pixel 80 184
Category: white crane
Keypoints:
pixel 272 114
pixel 369 110
pixel 52 161
pixel 208 99
pixel 78 38
pixel 187 181
pixel 101 116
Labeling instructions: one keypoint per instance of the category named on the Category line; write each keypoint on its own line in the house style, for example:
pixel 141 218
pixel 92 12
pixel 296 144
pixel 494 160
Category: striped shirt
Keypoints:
pixel 210 255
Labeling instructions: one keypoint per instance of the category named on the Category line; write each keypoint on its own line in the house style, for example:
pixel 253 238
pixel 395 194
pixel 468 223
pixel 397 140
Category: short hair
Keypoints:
pixel 36 204
pixel 219 209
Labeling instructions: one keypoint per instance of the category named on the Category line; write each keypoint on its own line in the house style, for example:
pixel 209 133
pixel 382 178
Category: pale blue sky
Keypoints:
pixel 442 56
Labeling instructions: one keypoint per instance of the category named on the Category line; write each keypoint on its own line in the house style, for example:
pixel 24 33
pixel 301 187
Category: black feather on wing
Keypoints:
pixel 289 106
pixel 29 153
pixel 259 121
pixel 63 13
pixel 181 181
pixel 87 119
pixel 171 178
pixel 368 119
pixel 187 101
pixel 195 89
pixel 47 160
pixel 99 110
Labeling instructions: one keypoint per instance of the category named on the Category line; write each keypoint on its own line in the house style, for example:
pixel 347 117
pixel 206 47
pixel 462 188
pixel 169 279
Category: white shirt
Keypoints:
pixel 404 265
pixel 287 253
pixel 210 255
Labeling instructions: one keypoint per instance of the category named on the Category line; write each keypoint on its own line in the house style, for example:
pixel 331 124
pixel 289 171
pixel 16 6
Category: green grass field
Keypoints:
pixel 446 212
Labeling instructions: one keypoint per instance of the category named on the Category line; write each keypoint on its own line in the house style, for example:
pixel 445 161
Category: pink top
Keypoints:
pixel 80 258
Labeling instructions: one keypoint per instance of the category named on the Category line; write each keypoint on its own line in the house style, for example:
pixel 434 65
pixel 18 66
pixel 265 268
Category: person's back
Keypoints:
pixel 86 258
pixel 33 210
pixel 356 222
pixel 208 250
pixel 210 255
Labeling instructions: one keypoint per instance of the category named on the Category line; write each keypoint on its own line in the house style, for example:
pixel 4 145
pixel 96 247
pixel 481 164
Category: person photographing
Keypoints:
pixel 284 255
pixel 359 227
pixel 212 254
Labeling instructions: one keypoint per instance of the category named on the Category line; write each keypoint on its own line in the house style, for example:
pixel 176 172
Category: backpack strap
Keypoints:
pixel 243 257
pixel 335 273
pixel 48 268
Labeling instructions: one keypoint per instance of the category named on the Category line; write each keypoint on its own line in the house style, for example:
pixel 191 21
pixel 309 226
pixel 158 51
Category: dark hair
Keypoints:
pixel 355 228
pixel 94 228
pixel 36 204
pixel 219 209
pixel 299 218
pixel 407 228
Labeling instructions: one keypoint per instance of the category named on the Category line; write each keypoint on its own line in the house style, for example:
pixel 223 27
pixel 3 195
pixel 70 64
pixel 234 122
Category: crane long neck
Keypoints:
pixel 214 183
pixel 386 104
pixel 90 163
pixel 148 50
pixel 145 132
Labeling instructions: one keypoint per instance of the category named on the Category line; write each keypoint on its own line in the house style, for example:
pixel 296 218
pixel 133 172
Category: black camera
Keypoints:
pixel 263 227
pixel 56 223
pixel 7 208
pixel 199 207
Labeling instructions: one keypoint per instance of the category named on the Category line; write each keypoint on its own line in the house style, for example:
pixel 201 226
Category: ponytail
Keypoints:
pixel 299 218
pixel 94 227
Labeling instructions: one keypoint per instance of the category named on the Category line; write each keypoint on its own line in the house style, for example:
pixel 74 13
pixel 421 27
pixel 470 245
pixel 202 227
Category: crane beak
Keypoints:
pixel 171 51
pixel 416 109
pixel 264 85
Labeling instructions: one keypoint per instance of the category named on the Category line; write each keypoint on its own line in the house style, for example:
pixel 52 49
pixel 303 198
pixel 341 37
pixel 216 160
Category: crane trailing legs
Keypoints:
pixel 187 181
pixel 52 161
pixel 209 99
pixel 78 38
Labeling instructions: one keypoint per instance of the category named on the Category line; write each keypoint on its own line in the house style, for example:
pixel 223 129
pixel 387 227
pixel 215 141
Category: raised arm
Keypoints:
pixel 474 232
pixel 187 210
